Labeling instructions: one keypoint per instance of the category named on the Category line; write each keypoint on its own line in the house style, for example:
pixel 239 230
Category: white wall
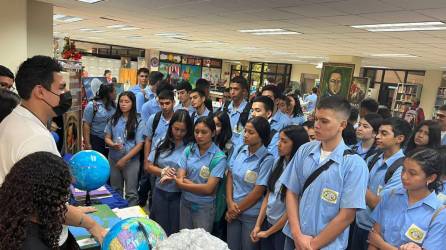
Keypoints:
pixel 432 80
pixel 13 40
pixel 298 69
pixel 39 29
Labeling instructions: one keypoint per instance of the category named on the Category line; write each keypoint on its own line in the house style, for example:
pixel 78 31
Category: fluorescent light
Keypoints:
pixel 373 66
pixel 394 27
pixel 117 26
pixel 393 55
pixel 90 1
pixel 130 28
pixel 66 19
pixel 134 37
pixel 261 30
pixel 276 33
pixel 296 60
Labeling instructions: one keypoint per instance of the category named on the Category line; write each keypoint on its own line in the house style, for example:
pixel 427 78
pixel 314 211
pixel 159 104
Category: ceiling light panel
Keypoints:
pixel 397 27
pixel 90 1
pixel 66 19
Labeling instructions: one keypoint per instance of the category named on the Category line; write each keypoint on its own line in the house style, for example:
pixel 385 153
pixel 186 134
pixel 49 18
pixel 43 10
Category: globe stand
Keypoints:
pixel 88 199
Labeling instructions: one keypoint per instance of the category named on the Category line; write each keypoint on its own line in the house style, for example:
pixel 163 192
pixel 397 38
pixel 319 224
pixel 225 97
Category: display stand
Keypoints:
pixel 441 98
pixel 404 96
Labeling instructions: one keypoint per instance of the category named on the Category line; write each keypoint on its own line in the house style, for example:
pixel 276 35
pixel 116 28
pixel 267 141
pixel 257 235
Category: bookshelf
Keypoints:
pixel 441 98
pixel 404 95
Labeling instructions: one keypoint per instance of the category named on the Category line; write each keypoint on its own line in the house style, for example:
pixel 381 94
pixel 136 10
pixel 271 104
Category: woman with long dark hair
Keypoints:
pixel 33 201
pixel 223 132
pixel 95 118
pixel 426 134
pixel 201 168
pixel 248 175
pixel 272 216
pixel 124 136
pixel 295 110
pixel 366 132
pixel 413 214
pixel 163 163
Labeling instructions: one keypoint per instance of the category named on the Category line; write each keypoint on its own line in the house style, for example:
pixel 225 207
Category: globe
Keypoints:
pixel 134 233
pixel 90 170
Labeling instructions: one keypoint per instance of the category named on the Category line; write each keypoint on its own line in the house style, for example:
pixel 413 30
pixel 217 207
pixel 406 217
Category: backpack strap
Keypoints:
pixel 95 109
pixel 156 121
pixel 391 170
pixel 193 116
pixel 373 161
pixel 216 159
pixel 226 107
pixel 436 213
pixel 272 134
pixel 243 118
pixel 321 169
pixel 263 158
pixel 187 151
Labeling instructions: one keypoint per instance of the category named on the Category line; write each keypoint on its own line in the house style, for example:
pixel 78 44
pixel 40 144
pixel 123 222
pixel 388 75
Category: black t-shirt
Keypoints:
pixel 33 241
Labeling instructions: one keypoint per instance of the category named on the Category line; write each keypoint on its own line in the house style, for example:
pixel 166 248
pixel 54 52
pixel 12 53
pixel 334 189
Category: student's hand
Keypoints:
pixel 166 179
pixel 375 239
pixel 263 234
pixel 170 172
pixel 254 233
pixel 410 246
pixel 121 164
pixel 98 232
pixel 228 217
pixel 179 180
pixel 187 181
pixel 233 210
pixel 303 242
pixel 117 146
pixel 87 210
pixel 87 146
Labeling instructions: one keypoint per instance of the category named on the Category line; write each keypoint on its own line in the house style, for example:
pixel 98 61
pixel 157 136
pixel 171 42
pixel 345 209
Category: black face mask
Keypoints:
pixel 65 101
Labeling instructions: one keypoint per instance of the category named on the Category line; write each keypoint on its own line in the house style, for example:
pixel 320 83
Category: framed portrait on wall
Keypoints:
pixel 336 79
pixel 358 89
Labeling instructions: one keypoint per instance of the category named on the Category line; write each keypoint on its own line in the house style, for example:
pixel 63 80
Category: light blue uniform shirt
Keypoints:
pixel 442 194
pixel 194 114
pixel 360 150
pixel 247 173
pixel 167 159
pixel 149 108
pixel 160 130
pixel 273 145
pixel 311 100
pixel 120 131
pixel 279 120
pixel 376 185
pixel 343 185
pixel 190 109
pixel 234 113
pixel 141 95
pixel 402 223
pixel 197 170
pixel 297 120
pixel 99 121
pixel 275 207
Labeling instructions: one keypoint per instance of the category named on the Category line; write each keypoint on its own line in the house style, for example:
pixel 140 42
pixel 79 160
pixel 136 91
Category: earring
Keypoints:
pixel 427 184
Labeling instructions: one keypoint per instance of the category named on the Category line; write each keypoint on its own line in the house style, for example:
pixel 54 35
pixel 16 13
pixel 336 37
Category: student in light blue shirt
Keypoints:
pixel 426 134
pixel 385 173
pixel 163 163
pixel 366 132
pixel 248 175
pixel 278 120
pixel 141 93
pixel 95 118
pixel 124 136
pixel 319 216
pixel 311 100
pixel 442 194
pixel 238 109
pixel 183 90
pixel 201 168
pixel 272 216
pixel 295 110
pixel 413 214
pixel 198 97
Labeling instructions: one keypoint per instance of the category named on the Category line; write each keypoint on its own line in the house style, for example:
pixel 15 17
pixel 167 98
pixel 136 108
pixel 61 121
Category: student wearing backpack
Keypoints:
pixel 326 183
pixel 124 136
pixel 238 109
pixel 248 175
pixel 366 132
pixel 198 97
pixel 201 169
pixel 385 174
pixel 272 216
pixel 95 118
pixel 412 215
pixel 163 163
pixel 414 114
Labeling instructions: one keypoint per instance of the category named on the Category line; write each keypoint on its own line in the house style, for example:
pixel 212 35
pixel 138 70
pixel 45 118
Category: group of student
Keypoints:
pixel 254 173
pixel 232 170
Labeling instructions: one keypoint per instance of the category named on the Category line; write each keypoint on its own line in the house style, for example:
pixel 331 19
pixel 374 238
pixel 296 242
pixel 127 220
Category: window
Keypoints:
pixel 415 77
pixel 394 76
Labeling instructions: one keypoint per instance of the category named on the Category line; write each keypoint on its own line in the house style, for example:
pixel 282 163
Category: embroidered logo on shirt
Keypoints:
pixel 204 172
pixel 416 234
pixel 250 177
pixel 329 195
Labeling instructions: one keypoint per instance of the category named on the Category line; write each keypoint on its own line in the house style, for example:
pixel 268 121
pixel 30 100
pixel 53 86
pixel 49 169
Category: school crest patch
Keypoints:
pixel 415 234
pixel 329 195
pixel 250 177
pixel 204 172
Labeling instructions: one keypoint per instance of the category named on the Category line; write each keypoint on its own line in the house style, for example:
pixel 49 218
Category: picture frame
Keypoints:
pixel 358 89
pixel 336 79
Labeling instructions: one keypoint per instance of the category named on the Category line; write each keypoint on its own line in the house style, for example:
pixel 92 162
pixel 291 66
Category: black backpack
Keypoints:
pixel 156 121
pixel 243 116
pixel 392 168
